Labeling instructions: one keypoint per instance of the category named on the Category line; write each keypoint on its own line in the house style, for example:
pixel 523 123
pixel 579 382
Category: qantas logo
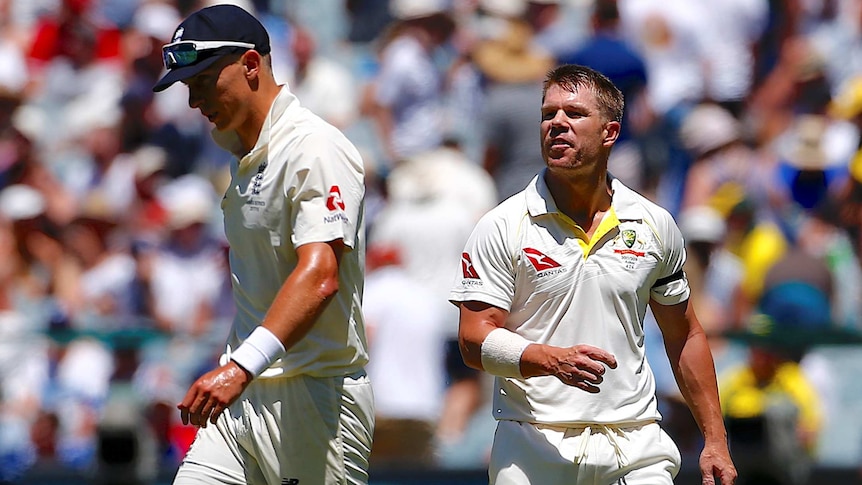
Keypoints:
pixel 334 202
pixel 540 260
pixel 467 267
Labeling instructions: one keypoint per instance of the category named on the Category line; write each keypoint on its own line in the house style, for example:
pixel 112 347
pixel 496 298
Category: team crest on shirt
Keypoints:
pixel 629 236
pixel 542 263
pixel 471 276
pixel 629 247
pixel 257 181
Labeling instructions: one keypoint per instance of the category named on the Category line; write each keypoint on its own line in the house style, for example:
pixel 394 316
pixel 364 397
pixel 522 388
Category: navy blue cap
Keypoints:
pixel 215 23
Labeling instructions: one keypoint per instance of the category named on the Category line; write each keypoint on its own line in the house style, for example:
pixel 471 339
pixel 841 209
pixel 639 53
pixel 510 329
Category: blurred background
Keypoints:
pixel 742 118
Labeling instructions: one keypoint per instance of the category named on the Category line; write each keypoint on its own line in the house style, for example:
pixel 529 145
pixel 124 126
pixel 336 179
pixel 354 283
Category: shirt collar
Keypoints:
pixel 284 102
pixel 541 202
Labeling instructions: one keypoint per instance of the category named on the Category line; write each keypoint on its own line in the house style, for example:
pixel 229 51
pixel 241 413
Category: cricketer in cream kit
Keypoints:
pixel 290 161
pixel 636 254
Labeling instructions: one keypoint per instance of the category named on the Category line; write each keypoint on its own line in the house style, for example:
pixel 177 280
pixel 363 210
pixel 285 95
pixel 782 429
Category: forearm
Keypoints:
pixel 693 367
pixel 296 307
pixel 298 304
pixel 476 322
pixel 532 358
pixel 487 345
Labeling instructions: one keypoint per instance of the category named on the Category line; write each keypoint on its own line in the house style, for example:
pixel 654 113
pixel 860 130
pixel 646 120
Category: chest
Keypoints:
pixel 552 261
pixel 254 205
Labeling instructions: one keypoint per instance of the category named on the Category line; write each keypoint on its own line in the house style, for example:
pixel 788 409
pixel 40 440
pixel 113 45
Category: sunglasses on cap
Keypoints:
pixel 187 52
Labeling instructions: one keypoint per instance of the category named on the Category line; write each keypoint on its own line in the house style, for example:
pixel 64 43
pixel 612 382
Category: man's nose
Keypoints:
pixel 194 99
pixel 558 118
pixel 558 121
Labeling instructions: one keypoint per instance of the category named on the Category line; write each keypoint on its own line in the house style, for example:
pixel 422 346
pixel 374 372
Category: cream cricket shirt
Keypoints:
pixel 302 183
pixel 528 258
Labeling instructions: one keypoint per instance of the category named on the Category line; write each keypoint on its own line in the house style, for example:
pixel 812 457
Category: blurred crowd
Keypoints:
pixel 743 119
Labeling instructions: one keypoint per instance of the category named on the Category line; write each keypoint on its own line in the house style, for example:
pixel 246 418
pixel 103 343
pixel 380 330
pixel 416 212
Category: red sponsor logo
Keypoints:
pixel 334 201
pixel 540 260
pixel 467 267
pixel 639 254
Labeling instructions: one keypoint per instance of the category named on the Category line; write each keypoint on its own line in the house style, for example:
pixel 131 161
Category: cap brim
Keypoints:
pixel 181 73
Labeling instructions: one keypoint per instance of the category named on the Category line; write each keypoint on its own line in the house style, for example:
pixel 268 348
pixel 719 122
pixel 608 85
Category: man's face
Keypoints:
pixel 220 93
pixel 573 130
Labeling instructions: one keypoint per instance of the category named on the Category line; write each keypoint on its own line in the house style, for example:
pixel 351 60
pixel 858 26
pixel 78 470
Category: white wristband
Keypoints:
pixel 501 353
pixel 258 351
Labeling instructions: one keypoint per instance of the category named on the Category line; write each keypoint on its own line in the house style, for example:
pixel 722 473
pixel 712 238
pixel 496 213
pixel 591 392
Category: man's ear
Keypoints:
pixel 611 133
pixel 251 61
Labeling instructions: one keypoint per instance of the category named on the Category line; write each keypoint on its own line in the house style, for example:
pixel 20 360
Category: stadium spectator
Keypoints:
pixel 773 410
pixel 513 69
pixel 321 84
pixel 608 51
pixel 406 98
pixel 408 398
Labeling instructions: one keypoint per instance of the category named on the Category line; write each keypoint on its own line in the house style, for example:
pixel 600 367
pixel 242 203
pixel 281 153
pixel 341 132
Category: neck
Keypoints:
pixel 580 196
pixel 261 102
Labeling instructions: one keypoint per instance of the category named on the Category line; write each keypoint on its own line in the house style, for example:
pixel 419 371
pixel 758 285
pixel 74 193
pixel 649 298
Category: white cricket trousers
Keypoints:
pixel 287 431
pixel 535 454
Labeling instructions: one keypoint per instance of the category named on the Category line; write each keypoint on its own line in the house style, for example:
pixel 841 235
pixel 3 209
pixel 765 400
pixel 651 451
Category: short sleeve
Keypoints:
pixel 486 271
pixel 671 286
pixel 325 191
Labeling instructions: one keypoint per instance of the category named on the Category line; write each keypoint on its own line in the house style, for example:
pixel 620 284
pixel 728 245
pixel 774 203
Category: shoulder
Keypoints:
pixel 307 132
pixel 650 211
pixel 504 220
pixel 513 208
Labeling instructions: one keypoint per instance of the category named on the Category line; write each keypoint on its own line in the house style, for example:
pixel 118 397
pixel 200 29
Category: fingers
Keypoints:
pixel 584 366
pixel 599 355
pixel 197 408
pixel 206 409
pixel 184 413
pixel 586 381
pixel 727 474
pixel 185 406
pixel 728 477
pixel 217 410
pixel 211 394
pixel 586 386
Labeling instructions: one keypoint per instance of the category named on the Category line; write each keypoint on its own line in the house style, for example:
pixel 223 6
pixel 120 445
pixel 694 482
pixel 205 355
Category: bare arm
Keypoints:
pixel 305 293
pixel 692 365
pixel 581 366
pixel 301 299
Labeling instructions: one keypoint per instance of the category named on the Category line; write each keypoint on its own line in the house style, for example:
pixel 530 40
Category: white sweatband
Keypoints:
pixel 258 351
pixel 501 353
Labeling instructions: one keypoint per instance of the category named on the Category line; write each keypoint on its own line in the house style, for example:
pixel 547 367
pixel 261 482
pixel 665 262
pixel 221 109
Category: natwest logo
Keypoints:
pixel 334 201
pixel 467 267
pixel 540 260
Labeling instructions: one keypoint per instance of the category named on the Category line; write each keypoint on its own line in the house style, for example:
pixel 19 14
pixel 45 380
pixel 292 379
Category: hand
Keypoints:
pixel 212 393
pixel 580 366
pixel 715 461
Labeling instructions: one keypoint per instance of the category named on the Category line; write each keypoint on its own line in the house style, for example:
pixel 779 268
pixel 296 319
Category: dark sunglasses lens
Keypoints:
pixel 179 55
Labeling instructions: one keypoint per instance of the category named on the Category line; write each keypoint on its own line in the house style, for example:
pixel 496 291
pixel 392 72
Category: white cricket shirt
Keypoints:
pixel 528 258
pixel 303 182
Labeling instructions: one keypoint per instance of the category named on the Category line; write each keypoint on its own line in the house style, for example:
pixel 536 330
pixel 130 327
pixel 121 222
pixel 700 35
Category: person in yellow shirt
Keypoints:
pixel 772 411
